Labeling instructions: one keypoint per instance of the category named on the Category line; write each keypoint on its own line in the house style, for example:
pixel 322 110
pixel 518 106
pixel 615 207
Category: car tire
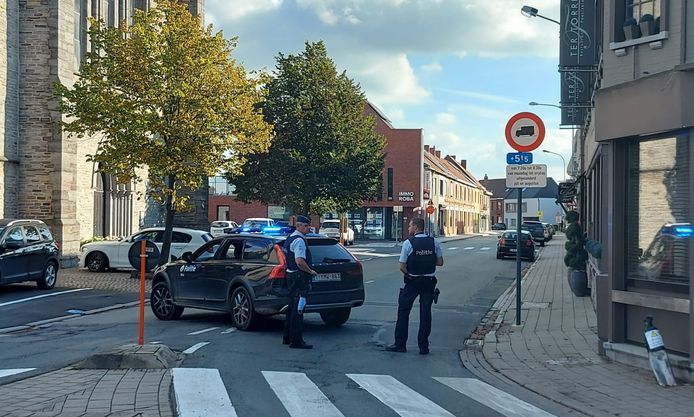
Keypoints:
pixel 49 277
pixel 96 262
pixel 243 317
pixel 161 302
pixel 336 317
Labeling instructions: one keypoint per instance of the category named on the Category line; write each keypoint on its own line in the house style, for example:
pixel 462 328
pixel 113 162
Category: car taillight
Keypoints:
pixel 502 242
pixel 358 271
pixel 280 271
pixel 528 242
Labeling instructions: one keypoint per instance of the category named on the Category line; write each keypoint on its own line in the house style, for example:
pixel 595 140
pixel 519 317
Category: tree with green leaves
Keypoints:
pixel 325 154
pixel 165 95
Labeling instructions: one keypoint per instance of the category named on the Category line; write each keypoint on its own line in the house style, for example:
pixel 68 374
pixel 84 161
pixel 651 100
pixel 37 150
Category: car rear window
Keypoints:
pixel 220 224
pixel 45 233
pixel 330 225
pixel 179 237
pixel 207 237
pixel 323 249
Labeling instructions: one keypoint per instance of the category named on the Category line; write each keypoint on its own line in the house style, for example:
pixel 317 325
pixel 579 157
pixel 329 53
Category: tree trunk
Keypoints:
pixel 168 223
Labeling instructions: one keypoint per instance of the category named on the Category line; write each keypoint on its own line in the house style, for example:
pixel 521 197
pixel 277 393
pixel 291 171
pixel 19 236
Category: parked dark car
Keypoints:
pixel 245 275
pixel 667 256
pixel 507 245
pixel 28 253
pixel 499 226
pixel 536 229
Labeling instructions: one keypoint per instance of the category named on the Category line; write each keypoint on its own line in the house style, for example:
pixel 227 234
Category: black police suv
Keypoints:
pixel 508 245
pixel 28 253
pixel 245 275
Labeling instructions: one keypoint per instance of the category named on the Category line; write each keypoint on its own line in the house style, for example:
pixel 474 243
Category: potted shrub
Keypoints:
pixel 647 25
pixel 576 256
pixel 631 29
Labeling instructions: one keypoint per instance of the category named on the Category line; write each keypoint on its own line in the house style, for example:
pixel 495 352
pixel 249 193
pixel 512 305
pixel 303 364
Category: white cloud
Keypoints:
pixel 395 114
pixel 237 9
pixel 483 96
pixel 445 118
pixel 388 78
pixel 432 67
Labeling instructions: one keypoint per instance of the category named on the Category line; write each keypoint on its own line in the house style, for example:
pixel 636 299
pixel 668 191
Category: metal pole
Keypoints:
pixel 518 257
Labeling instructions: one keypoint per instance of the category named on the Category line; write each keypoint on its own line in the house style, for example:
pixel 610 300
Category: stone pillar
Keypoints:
pixel 9 107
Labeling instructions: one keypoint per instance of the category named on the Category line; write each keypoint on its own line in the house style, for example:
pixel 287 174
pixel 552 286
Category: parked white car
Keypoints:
pixel 98 256
pixel 217 227
pixel 331 228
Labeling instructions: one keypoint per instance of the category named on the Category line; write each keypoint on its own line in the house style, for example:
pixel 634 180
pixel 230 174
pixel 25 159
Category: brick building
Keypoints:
pixel 44 173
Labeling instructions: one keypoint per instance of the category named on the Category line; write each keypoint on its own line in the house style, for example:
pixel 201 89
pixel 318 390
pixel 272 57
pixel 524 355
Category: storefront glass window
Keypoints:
pixel 659 226
pixel 374 225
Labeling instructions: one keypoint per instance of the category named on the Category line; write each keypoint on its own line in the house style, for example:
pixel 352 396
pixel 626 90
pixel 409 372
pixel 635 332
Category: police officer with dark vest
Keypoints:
pixel 420 256
pixel 299 275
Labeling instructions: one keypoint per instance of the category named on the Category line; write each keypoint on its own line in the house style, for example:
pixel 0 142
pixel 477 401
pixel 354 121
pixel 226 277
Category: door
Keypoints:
pixel 35 252
pixel 192 282
pixel 13 265
pixel 255 267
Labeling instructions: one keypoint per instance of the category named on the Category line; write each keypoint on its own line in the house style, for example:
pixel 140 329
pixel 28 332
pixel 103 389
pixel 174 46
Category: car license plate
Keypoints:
pixel 333 276
pixel 512 250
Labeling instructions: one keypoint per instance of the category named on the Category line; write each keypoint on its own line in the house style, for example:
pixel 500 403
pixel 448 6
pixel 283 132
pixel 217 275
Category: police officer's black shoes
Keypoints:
pixel 301 346
pixel 396 348
pixel 423 351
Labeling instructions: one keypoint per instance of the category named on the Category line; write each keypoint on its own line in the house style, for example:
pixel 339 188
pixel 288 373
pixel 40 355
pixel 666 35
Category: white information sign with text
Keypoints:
pixel 526 176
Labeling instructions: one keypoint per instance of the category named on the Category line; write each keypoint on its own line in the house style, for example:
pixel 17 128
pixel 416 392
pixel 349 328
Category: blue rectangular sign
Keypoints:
pixel 519 158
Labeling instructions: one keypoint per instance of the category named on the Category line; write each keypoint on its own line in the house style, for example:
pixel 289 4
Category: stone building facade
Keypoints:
pixel 43 172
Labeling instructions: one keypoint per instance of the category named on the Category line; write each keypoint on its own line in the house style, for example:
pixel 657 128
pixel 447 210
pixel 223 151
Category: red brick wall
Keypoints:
pixel 238 211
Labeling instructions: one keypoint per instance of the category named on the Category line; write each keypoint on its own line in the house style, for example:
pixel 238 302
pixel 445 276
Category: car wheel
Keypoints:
pixel 162 303
pixel 336 317
pixel 97 262
pixel 242 314
pixel 49 277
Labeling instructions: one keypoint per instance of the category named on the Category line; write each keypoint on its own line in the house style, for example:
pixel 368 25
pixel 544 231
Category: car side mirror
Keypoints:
pixel 188 257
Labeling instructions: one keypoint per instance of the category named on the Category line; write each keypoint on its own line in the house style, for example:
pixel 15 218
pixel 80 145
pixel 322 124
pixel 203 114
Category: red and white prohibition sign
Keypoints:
pixel 525 132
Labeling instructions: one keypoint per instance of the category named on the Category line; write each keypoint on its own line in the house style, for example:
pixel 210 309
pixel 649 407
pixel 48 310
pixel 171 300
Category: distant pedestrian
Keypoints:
pixel 420 256
pixel 299 275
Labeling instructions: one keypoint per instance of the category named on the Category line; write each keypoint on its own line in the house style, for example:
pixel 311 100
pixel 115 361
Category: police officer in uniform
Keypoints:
pixel 420 256
pixel 299 275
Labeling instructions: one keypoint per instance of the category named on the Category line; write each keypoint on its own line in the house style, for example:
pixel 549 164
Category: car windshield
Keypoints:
pixel 220 224
pixel 330 225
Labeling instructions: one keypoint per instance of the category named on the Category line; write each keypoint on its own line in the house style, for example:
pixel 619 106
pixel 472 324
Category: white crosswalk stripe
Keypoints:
pixel 300 396
pixel 493 398
pixel 201 392
pixel 398 396
pixel 9 372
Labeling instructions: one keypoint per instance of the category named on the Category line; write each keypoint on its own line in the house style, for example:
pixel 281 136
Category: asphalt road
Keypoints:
pixel 348 364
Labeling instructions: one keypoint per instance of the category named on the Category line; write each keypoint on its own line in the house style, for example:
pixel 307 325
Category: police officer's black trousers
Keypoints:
pixel 294 322
pixel 422 287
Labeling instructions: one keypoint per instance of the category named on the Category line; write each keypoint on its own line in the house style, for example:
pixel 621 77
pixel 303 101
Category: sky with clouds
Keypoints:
pixel 458 69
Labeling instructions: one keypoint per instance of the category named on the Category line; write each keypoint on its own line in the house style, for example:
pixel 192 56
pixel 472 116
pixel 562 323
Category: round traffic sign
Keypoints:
pixel 525 132
pixel 151 250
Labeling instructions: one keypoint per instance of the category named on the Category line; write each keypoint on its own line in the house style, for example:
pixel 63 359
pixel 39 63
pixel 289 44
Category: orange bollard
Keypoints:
pixel 143 256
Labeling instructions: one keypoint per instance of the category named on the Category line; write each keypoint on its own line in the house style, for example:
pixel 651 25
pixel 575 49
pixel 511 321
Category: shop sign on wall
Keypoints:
pixel 406 196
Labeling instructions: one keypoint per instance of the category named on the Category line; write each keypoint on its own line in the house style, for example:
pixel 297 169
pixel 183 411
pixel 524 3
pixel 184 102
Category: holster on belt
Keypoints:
pixel 298 282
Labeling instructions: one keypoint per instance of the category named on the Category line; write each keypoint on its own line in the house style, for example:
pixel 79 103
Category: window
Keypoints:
pixel 15 235
pixel 179 237
pixel 513 222
pixel 234 250
pixel 31 234
pixel 220 186
pixel 390 184
pixel 111 13
pixel 45 233
pixel 153 235
pixel 206 251
pixel 222 212
pixel 79 29
pixel 255 250
pixel 638 8
pixel 659 226
pixel 441 187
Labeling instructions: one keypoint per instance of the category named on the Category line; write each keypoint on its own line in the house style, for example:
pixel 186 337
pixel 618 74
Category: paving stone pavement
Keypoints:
pixel 90 393
pixel 553 353
pixel 118 280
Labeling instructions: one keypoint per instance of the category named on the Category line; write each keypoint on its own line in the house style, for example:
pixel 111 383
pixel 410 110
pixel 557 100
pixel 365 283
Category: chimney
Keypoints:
pixel 452 157
pixel 426 148
pixel 438 154
pixel 432 150
pixel 486 177
pixel 463 162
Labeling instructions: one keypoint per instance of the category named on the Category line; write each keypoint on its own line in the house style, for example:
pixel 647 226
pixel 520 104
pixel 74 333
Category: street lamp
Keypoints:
pixel 562 159
pixel 528 11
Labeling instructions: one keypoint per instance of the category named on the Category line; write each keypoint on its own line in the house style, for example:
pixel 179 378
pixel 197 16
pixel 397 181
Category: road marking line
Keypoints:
pixel 398 396
pixel 493 398
pixel 230 330
pixel 155 342
pixel 195 347
pixel 453 248
pixel 469 247
pixel 485 248
pixel 42 296
pixel 8 372
pixel 300 396
pixel 201 392
pixel 369 281
pixel 202 331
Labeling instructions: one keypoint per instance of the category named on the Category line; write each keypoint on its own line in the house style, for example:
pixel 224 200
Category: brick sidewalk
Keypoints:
pixel 553 353
pixel 95 392
pixel 119 281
